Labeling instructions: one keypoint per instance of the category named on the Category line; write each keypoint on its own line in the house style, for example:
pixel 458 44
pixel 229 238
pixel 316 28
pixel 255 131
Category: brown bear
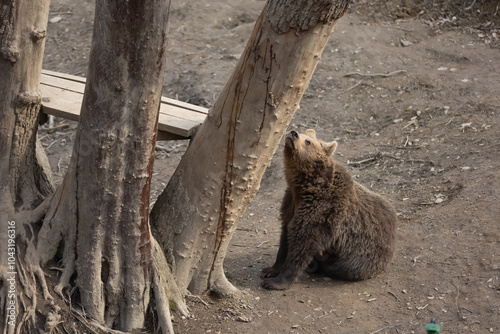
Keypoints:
pixel 329 221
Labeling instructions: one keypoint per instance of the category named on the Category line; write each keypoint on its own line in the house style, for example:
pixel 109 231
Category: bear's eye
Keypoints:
pixel 308 142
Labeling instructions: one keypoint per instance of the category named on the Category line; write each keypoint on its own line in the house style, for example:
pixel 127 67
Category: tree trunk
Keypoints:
pixel 25 178
pixel 221 171
pixel 24 183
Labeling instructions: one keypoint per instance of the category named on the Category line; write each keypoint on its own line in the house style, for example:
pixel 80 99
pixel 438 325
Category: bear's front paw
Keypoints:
pixel 269 272
pixel 275 283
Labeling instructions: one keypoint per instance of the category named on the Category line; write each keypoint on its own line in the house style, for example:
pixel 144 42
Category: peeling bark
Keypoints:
pixel 286 15
pixel 221 171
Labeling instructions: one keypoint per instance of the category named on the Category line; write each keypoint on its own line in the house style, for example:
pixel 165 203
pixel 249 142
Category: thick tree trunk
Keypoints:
pixel 99 215
pixel 23 182
pixel 24 171
pixel 221 171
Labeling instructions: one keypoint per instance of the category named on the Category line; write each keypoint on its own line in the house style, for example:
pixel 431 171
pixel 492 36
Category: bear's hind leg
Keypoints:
pixel 350 269
pixel 313 266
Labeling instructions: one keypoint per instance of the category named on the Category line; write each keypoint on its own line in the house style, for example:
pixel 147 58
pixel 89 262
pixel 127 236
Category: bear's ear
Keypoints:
pixel 330 148
pixel 311 133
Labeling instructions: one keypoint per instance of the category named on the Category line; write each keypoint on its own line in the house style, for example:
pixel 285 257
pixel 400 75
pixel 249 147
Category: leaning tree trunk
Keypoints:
pixel 99 215
pixel 220 172
pixel 25 178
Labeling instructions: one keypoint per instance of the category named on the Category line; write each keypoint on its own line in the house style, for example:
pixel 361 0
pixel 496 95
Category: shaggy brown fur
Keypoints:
pixel 328 219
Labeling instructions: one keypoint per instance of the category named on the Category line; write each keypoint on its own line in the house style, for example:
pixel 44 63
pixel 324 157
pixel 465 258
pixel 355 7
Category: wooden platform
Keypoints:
pixel 62 96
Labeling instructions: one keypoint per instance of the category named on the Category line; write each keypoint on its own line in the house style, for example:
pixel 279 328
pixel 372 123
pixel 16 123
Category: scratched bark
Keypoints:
pixel 196 215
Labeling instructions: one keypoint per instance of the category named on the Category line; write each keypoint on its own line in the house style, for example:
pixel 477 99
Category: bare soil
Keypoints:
pixel 411 91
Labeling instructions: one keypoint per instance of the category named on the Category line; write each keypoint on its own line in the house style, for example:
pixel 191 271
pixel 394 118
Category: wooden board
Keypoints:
pixel 62 96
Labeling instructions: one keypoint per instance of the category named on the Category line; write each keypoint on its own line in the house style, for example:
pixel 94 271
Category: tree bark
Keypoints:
pixel 23 26
pixel 220 173
pixel 99 216
pixel 25 178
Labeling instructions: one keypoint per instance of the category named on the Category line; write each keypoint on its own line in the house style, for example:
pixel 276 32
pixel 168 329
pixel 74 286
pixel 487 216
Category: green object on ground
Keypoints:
pixel 432 327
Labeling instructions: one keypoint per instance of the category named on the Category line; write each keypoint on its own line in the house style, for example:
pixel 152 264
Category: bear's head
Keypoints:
pixel 305 153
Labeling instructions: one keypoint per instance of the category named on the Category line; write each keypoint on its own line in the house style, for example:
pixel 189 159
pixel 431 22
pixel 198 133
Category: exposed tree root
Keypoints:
pixel 167 294
pixel 36 248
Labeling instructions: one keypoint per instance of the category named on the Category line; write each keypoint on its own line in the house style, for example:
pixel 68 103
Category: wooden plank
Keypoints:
pixel 61 103
pixel 68 85
pixel 178 126
pixel 184 105
pixel 66 80
pixel 63 94
pixel 68 77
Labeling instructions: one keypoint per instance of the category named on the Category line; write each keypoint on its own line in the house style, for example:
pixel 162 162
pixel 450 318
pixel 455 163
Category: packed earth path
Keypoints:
pixel 411 93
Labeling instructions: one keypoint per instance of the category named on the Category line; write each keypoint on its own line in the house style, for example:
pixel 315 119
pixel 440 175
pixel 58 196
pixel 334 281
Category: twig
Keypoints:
pixel 398 28
pixel 419 160
pixel 459 314
pixel 245 229
pixel 362 161
pixel 60 13
pixel 352 87
pixel 373 75
pixel 450 121
pixel 55 128
pixel 412 122
pixel 325 314
pixel 263 242
pixel 409 147
pixel 201 300
pixel 382 154
pixel 64 328
pixel 465 308
pixel 470 7
pixel 198 298
pixel 397 298
pixel 379 330
pixel 81 317
pixel 55 141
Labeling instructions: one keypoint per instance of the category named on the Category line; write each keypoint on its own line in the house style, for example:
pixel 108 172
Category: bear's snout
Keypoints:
pixel 294 134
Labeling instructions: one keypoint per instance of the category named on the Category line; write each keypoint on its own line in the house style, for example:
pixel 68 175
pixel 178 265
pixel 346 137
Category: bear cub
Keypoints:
pixel 330 222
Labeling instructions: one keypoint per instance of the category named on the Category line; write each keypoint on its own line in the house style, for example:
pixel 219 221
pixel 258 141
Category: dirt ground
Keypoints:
pixel 411 91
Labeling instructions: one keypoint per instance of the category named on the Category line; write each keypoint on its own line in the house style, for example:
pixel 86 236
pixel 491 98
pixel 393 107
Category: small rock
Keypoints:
pixel 243 319
pixel 55 19
pixel 405 43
